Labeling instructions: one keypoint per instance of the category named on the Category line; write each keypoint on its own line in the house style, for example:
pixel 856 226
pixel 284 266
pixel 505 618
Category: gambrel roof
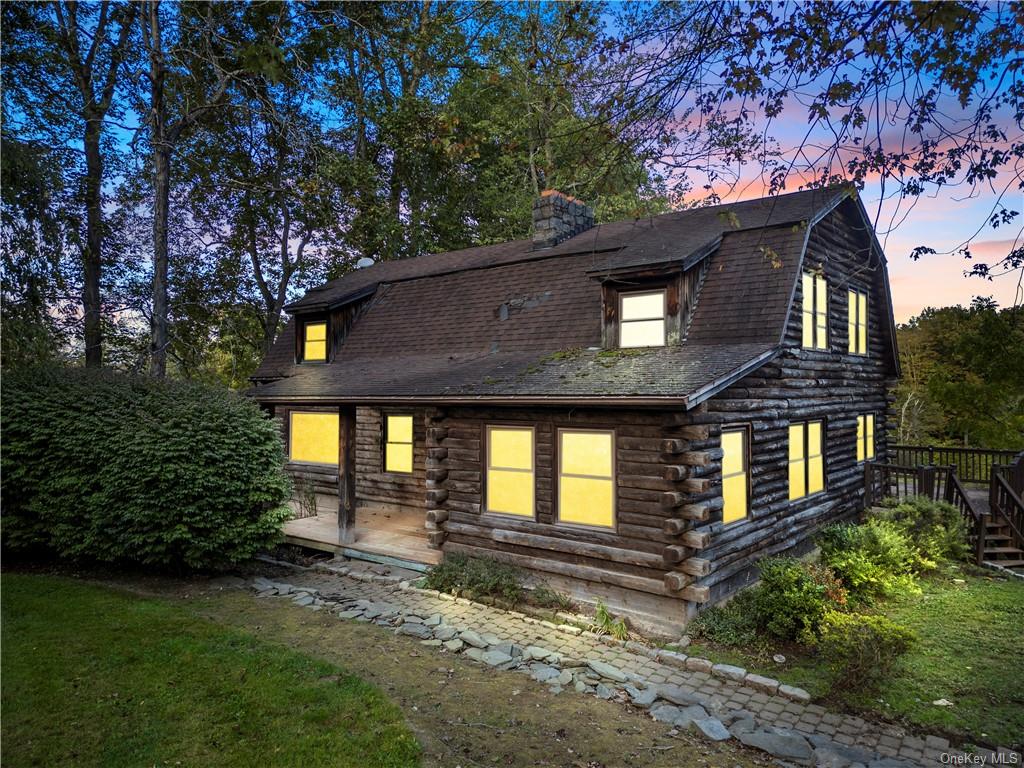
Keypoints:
pixel 510 323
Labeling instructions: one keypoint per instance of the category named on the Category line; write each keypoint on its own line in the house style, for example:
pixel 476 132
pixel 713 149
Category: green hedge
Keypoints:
pixel 102 466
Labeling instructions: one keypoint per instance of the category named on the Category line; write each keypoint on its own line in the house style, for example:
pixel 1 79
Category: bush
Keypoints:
pixel 936 528
pixel 794 596
pixel 861 650
pixel 476 577
pixel 734 623
pixel 873 559
pixel 102 466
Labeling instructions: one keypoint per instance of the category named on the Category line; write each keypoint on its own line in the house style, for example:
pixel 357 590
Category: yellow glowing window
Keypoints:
pixel 815 311
pixel 314 342
pixel 865 437
pixel 510 470
pixel 586 480
pixel 642 319
pixel 735 468
pixel 857 324
pixel 806 459
pixel 397 443
pixel 313 437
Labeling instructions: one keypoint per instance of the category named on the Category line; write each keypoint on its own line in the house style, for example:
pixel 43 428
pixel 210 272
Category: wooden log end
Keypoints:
pixel 675 581
pixel 696 566
pixel 696 594
pixel 436 539
pixel 699 512
pixel 675 526
pixel 697 539
pixel 674 554
pixel 671 499
pixel 675 473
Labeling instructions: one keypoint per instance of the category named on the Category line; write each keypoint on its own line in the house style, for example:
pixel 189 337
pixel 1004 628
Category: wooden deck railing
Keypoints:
pixel 900 481
pixel 1004 497
pixel 973 465
pixel 975 519
pixel 938 483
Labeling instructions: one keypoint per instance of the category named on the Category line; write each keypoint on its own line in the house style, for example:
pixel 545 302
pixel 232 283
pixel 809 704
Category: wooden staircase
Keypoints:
pixel 1000 548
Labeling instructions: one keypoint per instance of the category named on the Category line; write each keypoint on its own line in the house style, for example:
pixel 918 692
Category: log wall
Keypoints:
pixel 374 486
pixel 801 385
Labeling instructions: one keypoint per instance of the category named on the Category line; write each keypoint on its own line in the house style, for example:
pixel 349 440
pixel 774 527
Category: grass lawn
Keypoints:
pixel 969 652
pixel 93 676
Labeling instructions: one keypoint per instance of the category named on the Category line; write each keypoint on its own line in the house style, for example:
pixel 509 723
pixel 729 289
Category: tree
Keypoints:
pixel 963 376
pixel 189 57
pixel 918 96
pixel 63 62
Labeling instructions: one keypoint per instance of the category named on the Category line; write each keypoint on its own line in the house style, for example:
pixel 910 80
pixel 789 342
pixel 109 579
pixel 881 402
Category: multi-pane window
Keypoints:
pixel 735 474
pixel 806 463
pixel 314 342
pixel 815 311
pixel 857 327
pixel 397 443
pixel 510 469
pixel 313 437
pixel 642 319
pixel 586 480
pixel 866 437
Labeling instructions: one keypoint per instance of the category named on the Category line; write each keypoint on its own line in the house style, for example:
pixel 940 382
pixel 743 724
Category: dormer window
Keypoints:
pixel 642 319
pixel 314 342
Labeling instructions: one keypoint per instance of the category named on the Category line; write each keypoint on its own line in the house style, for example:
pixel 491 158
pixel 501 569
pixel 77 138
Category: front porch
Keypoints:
pixel 386 534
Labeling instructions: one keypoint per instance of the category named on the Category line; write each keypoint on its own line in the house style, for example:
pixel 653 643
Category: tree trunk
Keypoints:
pixel 92 257
pixel 161 209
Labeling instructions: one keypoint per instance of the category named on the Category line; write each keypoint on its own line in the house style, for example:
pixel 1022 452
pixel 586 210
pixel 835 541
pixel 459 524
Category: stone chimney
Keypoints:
pixel 557 217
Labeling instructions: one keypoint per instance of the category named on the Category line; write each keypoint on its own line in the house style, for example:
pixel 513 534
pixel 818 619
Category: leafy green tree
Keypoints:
pixel 964 376
pixel 62 69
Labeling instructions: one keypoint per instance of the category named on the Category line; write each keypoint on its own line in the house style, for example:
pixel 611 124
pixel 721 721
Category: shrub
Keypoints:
pixel 607 624
pixel 476 577
pixel 734 623
pixel 545 597
pixel 873 559
pixel 861 650
pixel 935 527
pixel 794 596
pixel 102 466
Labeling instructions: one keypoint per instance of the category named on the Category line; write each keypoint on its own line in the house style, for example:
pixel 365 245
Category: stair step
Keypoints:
pixel 997 537
pixel 1003 551
pixel 1008 563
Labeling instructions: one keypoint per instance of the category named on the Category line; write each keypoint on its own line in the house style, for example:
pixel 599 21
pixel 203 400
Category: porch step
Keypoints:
pixel 1003 551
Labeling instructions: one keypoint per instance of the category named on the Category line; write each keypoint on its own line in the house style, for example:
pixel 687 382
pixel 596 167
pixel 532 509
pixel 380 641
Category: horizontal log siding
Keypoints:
pixel 802 385
pixel 628 556
pixel 324 478
pixel 373 484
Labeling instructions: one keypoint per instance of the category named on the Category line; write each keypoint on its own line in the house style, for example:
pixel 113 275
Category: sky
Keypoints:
pixel 943 221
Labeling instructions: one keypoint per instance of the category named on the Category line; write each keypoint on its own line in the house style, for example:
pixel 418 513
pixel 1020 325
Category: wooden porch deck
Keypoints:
pixel 383 534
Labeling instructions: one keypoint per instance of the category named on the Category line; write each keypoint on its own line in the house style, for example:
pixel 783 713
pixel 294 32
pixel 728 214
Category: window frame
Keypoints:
pixel 853 299
pixel 818 345
pixel 488 428
pixel 623 295
pixel 747 431
pixel 557 485
pixel 863 442
pixel 385 442
pixel 806 458
pixel 291 435
pixel 326 323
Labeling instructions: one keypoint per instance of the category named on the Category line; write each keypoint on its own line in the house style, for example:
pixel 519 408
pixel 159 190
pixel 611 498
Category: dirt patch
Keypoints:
pixel 462 713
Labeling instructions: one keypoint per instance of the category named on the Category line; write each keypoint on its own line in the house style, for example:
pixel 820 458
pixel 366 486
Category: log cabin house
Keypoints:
pixel 637 411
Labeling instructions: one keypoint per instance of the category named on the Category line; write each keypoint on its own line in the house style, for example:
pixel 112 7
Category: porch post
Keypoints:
pixel 346 474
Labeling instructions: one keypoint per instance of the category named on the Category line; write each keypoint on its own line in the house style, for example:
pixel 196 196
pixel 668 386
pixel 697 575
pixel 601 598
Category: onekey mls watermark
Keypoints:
pixel 980 758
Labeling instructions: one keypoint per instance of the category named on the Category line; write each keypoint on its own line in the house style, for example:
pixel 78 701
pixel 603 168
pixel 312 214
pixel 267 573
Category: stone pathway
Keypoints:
pixel 718 701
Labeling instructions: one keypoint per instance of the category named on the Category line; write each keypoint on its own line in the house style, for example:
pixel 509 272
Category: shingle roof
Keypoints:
pixel 506 321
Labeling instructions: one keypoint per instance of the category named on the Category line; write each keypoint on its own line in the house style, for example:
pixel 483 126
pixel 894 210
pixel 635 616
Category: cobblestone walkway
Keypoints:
pixel 720 701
